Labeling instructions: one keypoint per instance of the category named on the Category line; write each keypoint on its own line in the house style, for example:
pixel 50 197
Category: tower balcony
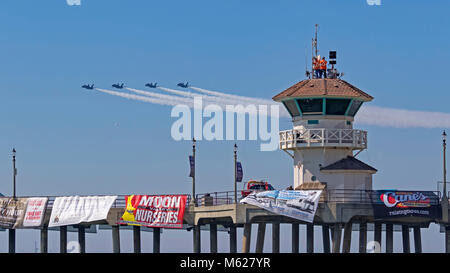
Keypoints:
pixel 305 138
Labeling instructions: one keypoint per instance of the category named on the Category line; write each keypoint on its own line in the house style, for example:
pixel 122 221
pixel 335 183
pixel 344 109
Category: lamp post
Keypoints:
pixel 193 175
pixel 14 173
pixel 444 194
pixel 235 173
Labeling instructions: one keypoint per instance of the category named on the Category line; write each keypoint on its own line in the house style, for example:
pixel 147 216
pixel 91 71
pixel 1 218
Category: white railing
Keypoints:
pixel 323 137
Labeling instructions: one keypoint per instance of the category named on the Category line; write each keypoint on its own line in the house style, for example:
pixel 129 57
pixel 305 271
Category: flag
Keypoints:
pixel 239 172
pixel 192 164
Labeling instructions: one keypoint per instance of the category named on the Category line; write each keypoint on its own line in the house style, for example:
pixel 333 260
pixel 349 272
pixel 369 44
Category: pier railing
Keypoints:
pixel 328 196
pixel 298 138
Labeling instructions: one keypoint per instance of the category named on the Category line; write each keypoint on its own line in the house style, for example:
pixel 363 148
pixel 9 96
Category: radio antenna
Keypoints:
pixel 314 50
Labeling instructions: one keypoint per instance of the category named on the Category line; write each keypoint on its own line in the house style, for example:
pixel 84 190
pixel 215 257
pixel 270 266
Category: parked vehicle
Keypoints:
pixel 256 186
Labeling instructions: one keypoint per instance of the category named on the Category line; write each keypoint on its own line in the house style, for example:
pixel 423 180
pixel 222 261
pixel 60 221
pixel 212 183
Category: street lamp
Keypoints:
pixel 235 173
pixel 444 194
pixel 14 172
pixel 193 175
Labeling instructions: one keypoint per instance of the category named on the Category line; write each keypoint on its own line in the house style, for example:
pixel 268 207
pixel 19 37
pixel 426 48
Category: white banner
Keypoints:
pixel 301 205
pixel 71 210
pixel 34 213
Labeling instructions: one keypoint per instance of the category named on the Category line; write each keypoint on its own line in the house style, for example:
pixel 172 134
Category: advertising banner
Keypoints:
pixel 166 211
pixel 387 204
pixel 72 210
pixel 301 205
pixel 22 212
pixel 239 172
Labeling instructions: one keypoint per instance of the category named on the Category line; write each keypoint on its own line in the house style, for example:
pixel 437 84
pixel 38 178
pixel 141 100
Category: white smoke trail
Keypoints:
pixel 142 98
pixel 236 97
pixel 220 100
pixel 400 118
pixel 179 100
pixel 370 115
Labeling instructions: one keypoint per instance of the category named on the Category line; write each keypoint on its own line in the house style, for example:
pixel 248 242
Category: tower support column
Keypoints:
pixel 377 233
pixel 157 240
pixel 276 237
pixel 82 239
pixel 347 238
pixel 116 238
pixel 137 239
pixel 336 237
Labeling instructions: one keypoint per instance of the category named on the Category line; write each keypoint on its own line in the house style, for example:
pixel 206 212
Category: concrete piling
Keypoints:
pixel 233 239
pixel 389 238
pixel 82 238
pixel 295 238
pixel 310 238
pixel 405 239
pixel 260 238
pixel 63 239
pixel 377 233
pixel 417 240
pixel 213 238
pixel 116 238
pixel 276 237
pixel 246 238
pixel 326 238
pixel 363 237
pixel 12 241
pixel 157 239
pixel 447 239
pixel 196 235
pixel 137 239
pixel 44 239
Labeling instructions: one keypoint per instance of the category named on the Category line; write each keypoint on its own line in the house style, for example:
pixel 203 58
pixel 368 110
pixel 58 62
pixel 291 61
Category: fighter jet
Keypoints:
pixel 87 86
pixel 151 85
pixel 184 85
pixel 118 86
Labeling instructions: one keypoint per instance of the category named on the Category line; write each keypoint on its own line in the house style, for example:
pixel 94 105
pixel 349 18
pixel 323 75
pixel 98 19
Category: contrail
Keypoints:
pixel 161 96
pixel 400 118
pixel 221 100
pixel 236 97
pixel 142 98
pixel 369 115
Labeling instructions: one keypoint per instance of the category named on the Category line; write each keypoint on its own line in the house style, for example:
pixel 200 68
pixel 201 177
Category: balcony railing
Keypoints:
pixel 298 138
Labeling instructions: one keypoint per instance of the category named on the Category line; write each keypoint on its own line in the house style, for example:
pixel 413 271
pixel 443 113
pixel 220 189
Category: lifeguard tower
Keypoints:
pixel 323 142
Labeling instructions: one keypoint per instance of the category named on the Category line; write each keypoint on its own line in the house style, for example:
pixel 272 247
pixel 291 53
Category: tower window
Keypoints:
pixel 356 104
pixel 336 106
pixel 291 106
pixel 311 106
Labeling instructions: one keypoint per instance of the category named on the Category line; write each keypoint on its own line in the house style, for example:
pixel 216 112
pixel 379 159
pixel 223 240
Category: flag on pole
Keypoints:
pixel 192 164
pixel 239 172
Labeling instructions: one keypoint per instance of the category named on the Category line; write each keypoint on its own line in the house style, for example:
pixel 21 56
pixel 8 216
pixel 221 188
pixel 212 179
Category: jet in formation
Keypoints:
pixel 87 86
pixel 151 85
pixel 184 85
pixel 118 86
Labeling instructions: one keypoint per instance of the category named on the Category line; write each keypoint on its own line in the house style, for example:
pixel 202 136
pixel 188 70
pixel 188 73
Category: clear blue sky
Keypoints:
pixel 71 141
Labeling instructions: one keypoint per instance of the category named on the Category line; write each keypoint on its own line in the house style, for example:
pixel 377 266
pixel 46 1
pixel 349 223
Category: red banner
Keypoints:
pixel 165 211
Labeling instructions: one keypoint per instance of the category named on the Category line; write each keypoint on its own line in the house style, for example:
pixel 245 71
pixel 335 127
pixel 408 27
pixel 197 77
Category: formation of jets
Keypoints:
pixel 121 86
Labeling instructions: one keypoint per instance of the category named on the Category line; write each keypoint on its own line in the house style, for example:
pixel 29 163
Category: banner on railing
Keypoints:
pixel 22 212
pixel 72 210
pixel 166 211
pixel 192 166
pixel 301 205
pixel 239 172
pixel 387 204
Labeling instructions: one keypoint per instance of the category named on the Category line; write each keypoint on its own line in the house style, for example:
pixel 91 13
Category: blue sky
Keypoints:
pixel 71 141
